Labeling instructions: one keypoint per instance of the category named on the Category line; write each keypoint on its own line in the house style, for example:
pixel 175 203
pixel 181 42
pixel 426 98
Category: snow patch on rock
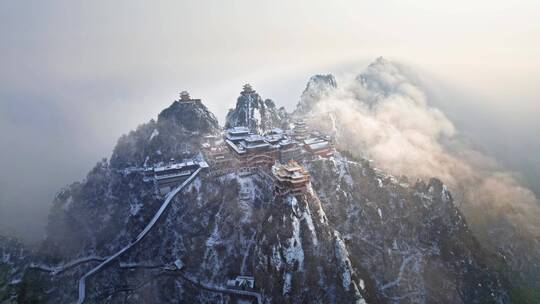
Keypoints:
pixel 344 263
pixel 154 134
pixel 306 215
pixel 275 260
pixel 293 252
pixel 135 207
pixel 287 279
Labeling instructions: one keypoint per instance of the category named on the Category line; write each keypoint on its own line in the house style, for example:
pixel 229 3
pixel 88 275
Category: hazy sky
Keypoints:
pixel 76 75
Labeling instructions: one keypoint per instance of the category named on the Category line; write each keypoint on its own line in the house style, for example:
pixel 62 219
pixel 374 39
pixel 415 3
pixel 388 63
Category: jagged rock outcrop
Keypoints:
pixel 318 87
pixel 254 112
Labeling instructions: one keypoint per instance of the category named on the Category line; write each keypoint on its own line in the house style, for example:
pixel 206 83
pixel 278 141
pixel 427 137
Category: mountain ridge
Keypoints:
pixel 356 235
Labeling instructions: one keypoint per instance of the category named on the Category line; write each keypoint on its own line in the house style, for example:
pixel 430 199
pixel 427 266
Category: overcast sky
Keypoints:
pixel 75 75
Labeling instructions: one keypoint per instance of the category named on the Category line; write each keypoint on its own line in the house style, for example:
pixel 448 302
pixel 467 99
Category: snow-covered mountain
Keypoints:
pixel 177 133
pixel 252 111
pixel 357 235
pixel 385 116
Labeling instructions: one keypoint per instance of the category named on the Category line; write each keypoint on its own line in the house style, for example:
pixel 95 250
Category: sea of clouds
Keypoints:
pixel 382 115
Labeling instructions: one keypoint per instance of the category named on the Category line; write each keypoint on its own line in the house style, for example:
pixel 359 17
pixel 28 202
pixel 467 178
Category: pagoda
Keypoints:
pixel 184 96
pixel 247 89
pixel 290 178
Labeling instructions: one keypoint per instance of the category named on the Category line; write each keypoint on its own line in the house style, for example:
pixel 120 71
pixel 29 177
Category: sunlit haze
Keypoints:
pixel 76 75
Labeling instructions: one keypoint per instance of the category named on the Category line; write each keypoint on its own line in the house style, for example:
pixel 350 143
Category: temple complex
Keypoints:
pixel 219 157
pixel 289 150
pixel 251 149
pixel 318 146
pixel 173 173
pixel 276 152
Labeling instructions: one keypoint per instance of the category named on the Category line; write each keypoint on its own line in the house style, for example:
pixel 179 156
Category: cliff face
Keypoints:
pixel 254 112
pixel 357 235
pixel 411 239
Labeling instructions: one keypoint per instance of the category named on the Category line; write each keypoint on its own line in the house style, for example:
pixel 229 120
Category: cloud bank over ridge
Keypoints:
pixel 382 115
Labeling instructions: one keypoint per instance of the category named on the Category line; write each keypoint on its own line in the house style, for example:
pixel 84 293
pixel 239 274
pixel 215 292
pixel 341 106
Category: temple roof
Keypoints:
pixel 290 171
pixel 247 88
pixel 238 130
pixel 184 96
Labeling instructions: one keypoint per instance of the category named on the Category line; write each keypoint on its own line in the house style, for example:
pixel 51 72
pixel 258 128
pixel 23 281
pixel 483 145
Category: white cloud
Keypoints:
pixel 383 116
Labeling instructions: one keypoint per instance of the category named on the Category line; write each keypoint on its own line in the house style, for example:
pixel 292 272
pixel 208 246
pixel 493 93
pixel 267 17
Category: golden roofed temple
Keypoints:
pixel 290 178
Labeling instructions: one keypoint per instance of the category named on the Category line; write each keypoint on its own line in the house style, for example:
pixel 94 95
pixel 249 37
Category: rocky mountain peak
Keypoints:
pixel 178 131
pixel 252 111
pixel 317 87
pixel 191 114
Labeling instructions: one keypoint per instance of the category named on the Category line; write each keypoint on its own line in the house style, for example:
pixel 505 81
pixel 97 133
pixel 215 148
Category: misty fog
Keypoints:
pixel 74 77
pixel 384 116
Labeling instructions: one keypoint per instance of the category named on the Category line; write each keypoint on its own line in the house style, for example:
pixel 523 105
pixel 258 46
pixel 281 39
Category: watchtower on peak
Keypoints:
pixel 184 96
pixel 247 88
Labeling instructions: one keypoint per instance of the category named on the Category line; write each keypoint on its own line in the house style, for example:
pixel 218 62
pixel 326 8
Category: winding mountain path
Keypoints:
pixel 140 236
pixel 223 289
pixel 54 270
